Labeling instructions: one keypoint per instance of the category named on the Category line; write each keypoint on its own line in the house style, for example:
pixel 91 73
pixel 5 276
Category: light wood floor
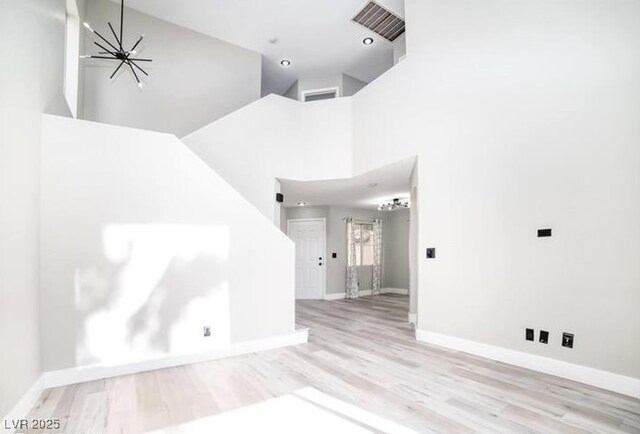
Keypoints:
pixel 362 352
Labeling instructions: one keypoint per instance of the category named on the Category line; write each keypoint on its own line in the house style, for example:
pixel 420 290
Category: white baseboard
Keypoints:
pixel 582 374
pixel 400 291
pixel 412 318
pixel 23 407
pixel 367 292
pixel 82 374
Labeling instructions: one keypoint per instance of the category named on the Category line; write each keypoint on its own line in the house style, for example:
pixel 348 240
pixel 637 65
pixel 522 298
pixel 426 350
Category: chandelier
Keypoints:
pixel 116 51
pixel 394 205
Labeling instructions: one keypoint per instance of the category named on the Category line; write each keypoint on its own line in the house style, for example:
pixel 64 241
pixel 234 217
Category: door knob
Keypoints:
pixel 320 263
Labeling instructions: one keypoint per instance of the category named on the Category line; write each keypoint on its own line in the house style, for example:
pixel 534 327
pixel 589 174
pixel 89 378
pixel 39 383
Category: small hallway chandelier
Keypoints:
pixel 394 205
pixel 116 51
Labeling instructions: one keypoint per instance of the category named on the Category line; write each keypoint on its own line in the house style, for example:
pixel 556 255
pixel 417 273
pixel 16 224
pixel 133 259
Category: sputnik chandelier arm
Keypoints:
pixel 394 205
pixel 116 51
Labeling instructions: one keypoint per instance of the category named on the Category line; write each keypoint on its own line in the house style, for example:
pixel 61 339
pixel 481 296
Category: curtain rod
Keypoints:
pixel 361 220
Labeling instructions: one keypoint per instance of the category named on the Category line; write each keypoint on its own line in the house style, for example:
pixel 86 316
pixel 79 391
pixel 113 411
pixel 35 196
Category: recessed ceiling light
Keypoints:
pixel 285 63
pixel 367 41
pixel 273 40
pixel 301 203
pixel 373 185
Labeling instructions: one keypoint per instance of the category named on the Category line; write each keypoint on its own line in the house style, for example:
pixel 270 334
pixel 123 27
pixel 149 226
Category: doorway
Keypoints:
pixel 379 199
pixel 309 236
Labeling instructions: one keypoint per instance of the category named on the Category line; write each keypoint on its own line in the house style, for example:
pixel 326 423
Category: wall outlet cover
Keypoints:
pixel 529 334
pixel 567 340
pixel 544 337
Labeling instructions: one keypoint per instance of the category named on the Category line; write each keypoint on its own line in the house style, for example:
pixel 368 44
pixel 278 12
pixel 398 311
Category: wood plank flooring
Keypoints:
pixel 362 352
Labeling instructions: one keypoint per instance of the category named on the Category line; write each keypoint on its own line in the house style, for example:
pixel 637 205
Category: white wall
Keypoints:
pixel 143 245
pixel 351 85
pixel 292 92
pixel 277 137
pixel 524 115
pixel 307 212
pixel 346 84
pixel 30 83
pixel 193 80
pixel 399 48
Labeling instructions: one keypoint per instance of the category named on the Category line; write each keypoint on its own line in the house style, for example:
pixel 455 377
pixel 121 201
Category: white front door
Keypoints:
pixel 309 236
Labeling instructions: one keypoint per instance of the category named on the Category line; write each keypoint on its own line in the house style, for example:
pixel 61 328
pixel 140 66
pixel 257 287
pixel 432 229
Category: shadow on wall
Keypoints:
pixel 156 288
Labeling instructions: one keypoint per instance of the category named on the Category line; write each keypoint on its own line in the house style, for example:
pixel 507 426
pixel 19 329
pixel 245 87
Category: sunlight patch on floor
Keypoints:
pixel 306 411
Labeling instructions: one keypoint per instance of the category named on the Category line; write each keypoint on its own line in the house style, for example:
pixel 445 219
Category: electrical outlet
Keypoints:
pixel 334 255
pixel 529 334
pixel 544 337
pixel 567 340
pixel 431 253
pixel 207 331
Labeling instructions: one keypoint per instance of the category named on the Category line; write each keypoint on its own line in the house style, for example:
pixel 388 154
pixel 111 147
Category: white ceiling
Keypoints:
pixel 318 36
pixel 393 182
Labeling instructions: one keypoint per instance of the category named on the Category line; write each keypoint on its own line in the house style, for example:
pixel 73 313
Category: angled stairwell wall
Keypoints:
pixel 276 137
pixel 142 246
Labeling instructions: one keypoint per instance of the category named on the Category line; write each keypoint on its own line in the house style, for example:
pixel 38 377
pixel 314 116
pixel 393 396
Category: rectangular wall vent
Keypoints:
pixel 380 20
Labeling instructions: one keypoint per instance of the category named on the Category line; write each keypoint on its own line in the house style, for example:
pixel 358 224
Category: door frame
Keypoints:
pixel 324 247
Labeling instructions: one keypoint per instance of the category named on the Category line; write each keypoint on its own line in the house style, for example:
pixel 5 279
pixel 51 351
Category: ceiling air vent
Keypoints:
pixel 382 21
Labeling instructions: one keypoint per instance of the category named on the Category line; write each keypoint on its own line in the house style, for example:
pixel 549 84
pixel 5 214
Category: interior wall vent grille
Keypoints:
pixel 380 20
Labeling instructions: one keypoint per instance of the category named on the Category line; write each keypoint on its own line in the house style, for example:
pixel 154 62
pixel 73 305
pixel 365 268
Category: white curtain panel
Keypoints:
pixel 352 269
pixel 377 257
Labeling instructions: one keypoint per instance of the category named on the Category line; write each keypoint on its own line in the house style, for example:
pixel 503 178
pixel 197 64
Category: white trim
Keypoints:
pixel 24 406
pixel 81 374
pixel 73 34
pixel 400 291
pixel 311 92
pixel 324 249
pixel 367 292
pixel 335 296
pixel 582 374
pixel 412 318
pixel 65 377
